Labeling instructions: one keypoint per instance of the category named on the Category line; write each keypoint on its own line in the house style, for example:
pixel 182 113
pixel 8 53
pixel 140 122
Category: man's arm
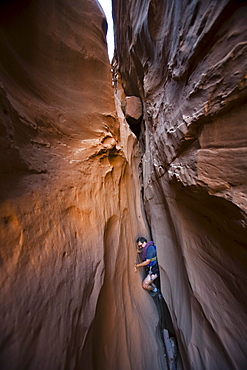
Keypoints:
pixel 142 264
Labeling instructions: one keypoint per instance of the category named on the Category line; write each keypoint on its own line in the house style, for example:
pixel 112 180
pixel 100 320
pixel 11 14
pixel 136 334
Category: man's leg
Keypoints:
pixel 148 281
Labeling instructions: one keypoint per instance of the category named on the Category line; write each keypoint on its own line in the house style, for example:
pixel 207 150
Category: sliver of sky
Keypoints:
pixel 106 5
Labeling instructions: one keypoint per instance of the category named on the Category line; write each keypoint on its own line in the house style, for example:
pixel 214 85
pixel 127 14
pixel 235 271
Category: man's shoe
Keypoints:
pixel 154 292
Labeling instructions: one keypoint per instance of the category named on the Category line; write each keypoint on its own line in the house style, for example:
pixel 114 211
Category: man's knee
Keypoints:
pixel 145 284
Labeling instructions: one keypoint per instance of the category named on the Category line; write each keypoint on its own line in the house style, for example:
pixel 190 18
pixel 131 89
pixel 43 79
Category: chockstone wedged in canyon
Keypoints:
pixel 78 186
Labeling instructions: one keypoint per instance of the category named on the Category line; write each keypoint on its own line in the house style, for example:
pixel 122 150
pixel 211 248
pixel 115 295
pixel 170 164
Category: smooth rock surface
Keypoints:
pixel 70 205
pixel 187 62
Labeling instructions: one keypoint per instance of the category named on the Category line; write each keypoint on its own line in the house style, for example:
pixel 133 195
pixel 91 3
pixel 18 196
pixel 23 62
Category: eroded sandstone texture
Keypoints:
pixel 187 62
pixel 70 201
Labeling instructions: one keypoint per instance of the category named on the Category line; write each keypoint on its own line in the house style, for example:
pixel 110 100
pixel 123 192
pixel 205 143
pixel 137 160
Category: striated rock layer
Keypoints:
pixel 70 203
pixel 187 62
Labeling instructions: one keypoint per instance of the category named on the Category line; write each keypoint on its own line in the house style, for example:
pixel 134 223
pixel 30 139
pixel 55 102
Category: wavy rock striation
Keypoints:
pixel 70 204
pixel 186 60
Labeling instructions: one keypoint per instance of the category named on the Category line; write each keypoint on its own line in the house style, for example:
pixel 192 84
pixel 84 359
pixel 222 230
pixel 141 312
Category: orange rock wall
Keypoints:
pixel 187 62
pixel 70 205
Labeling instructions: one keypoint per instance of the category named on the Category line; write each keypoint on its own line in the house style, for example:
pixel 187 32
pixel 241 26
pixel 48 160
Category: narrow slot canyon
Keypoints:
pixel 95 154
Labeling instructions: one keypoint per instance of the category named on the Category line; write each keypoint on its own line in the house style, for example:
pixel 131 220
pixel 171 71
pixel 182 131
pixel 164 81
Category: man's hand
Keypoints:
pixel 135 268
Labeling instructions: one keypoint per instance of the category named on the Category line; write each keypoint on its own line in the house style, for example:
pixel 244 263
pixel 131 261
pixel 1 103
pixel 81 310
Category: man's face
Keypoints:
pixel 140 246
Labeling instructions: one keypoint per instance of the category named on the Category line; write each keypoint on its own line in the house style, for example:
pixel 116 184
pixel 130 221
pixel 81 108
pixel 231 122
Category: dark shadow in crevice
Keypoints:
pixel 166 327
pixel 135 127
pixel 164 314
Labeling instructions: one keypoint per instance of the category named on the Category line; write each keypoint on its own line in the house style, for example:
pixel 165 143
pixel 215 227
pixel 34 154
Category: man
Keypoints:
pixel 149 261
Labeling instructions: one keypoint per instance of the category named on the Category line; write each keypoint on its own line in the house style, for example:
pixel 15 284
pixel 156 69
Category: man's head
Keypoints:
pixel 141 242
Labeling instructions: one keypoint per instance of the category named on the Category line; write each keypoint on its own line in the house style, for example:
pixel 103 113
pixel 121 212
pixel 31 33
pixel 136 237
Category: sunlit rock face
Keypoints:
pixel 187 62
pixel 70 201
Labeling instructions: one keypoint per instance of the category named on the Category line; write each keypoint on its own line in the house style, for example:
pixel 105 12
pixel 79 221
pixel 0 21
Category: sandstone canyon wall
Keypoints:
pixel 186 60
pixel 70 200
